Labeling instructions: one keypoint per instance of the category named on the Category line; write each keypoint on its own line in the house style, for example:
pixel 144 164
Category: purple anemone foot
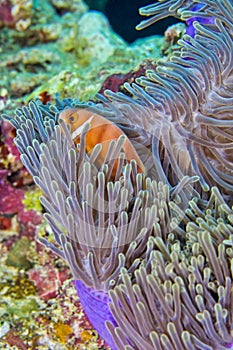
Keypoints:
pixel 95 304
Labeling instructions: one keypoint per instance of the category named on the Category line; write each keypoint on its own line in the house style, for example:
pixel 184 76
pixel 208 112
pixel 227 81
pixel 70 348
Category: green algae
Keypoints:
pixel 31 200
pixel 17 309
pixel 22 308
pixel 17 256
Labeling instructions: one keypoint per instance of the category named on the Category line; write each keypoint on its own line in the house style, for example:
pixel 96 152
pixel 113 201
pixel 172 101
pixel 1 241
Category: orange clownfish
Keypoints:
pixel 101 131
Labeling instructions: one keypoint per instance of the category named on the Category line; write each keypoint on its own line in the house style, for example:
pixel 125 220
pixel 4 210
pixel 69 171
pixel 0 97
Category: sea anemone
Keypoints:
pixel 186 103
pixel 151 254
pixel 99 226
pixel 181 296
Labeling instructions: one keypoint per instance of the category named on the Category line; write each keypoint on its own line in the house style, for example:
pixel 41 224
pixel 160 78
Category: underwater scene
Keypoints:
pixel 116 175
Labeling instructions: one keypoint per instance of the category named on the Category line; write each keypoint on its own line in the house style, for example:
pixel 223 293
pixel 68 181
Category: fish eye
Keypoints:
pixel 72 119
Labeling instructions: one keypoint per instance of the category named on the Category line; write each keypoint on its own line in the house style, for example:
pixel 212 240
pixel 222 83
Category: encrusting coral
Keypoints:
pixel 151 255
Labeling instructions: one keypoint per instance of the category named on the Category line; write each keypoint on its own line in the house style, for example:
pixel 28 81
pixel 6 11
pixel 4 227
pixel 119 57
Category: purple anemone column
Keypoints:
pixel 205 20
pixel 95 305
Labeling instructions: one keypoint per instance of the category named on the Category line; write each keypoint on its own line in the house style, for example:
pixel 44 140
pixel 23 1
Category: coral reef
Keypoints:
pixel 151 254
pixel 57 47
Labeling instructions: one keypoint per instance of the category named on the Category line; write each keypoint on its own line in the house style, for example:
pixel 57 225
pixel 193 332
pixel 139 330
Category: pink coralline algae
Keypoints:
pixel 10 199
pixel 14 340
pixel 7 137
pixel 13 179
pixel 47 280
pixel 8 134
pixel 11 204
pixel 115 82
pixel 15 15
pixel 5 12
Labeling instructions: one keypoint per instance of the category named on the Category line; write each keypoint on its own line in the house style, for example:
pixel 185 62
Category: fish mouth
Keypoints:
pixel 80 129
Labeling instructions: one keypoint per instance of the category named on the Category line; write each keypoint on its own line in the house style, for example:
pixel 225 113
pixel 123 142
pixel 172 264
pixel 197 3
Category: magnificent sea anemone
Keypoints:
pixel 151 254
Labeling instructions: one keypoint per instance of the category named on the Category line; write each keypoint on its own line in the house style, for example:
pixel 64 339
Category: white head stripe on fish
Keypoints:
pixel 79 130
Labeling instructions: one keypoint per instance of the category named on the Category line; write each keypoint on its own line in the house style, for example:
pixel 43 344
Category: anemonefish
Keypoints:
pixel 101 131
